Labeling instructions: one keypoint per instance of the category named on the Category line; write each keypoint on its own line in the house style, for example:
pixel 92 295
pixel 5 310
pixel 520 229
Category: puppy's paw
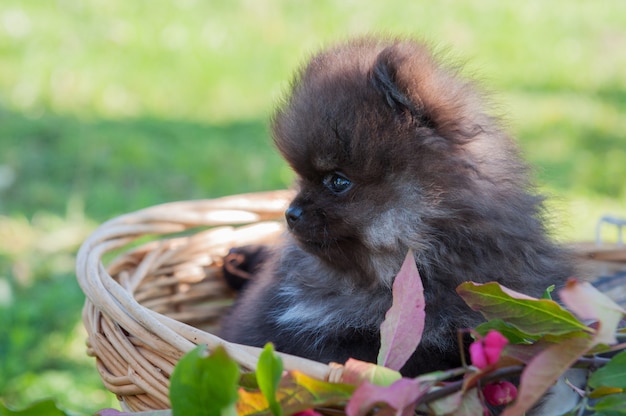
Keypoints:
pixel 242 263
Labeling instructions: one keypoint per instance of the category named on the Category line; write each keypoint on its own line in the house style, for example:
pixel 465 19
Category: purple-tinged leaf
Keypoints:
pixel 109 412
pixel 544 370
pixel 401 331
pixel 589 303
pixel 524 353
pixel 401 396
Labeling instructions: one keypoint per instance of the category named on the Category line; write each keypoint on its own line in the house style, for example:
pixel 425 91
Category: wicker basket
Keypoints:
pixel 164 293
pixel 157 300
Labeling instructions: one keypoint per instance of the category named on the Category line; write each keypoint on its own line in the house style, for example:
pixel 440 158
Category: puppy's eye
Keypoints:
pixel 337 183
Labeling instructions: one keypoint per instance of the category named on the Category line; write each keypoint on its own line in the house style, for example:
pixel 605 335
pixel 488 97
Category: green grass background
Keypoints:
pixel 108 106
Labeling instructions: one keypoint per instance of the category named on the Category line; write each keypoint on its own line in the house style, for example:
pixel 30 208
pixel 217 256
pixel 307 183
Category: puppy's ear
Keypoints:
pixel 384 77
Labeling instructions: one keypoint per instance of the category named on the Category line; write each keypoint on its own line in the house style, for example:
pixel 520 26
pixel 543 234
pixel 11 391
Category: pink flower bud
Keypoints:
pixel 477 354
pixel 486 351
pixel 500 393
pixel 307 412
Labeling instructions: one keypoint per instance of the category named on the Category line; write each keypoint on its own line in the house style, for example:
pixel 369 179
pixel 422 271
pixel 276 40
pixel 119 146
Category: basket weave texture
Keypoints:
pixel 164 292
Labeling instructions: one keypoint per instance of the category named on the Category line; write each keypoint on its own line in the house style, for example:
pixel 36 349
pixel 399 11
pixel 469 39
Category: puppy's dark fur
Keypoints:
pixel 392 151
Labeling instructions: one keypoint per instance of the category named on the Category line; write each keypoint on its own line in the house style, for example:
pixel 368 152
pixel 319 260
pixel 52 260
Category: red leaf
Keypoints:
pixel 401 396
pixel 401 331
pixel 544 370
pixel 589 303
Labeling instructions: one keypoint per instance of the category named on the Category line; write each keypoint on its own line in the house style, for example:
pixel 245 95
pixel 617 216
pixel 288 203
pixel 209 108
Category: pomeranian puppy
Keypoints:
pixel 392 152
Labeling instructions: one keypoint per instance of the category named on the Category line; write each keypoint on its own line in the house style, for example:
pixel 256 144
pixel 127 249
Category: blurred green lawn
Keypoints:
pixel 108 106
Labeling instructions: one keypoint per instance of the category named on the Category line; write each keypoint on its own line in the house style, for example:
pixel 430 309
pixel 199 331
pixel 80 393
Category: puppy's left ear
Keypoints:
pixel 384 77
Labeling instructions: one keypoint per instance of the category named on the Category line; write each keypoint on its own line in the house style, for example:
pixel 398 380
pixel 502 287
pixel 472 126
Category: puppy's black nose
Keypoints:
pixel 293 214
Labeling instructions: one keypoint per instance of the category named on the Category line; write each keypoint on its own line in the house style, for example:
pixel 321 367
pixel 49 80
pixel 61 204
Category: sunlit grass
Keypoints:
pixel 42 346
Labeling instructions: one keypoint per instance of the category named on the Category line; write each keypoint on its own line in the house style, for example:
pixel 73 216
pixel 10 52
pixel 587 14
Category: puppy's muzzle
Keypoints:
pixel 293 215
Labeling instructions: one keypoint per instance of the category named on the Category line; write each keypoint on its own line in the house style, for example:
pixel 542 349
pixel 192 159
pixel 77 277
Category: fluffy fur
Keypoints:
pixel 392 151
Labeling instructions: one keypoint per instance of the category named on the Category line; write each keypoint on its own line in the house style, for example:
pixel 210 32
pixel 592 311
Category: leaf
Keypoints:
pixel 589 303
pixel 544 370
pixel 252 403
pixel 613 374
pixel 513 334
pixel 301 389
pixel 613 404
pixel 268 372
pixel 460 403
pixel 547 294
pixel 248 380
pixel 470 405
pixel 401 331
pixel 400 396
pixel 447 404
pixel 296 392
pixel 604 391
pixel 526 352
pixel 356 371
pixel 204 384
pixel 532 316
pixel 42 408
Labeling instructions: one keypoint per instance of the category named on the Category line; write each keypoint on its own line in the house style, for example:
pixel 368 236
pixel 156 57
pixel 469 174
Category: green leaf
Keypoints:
pixel 248 381
pixel 42 408
pixel 530 315
pixel 613 374
pixel 614 404
pixel 513 334
pixel 401 331
pixel 204 384
pixel 269 371
pixel 547 294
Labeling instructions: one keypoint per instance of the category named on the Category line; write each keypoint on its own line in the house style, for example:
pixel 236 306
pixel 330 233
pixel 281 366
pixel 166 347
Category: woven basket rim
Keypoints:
pixel 111 311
